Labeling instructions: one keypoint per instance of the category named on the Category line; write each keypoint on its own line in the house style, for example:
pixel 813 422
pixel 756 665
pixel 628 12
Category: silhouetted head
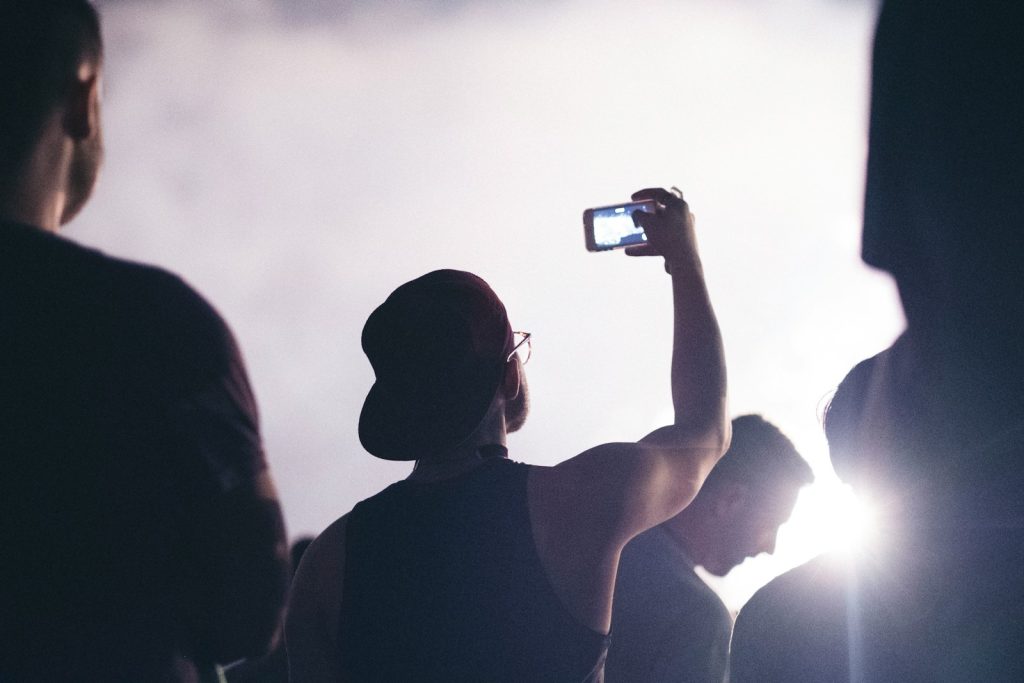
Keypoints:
pixel 44 45
pixel 440 347
pixel 749 494
pixel 872 427
pixel 843 423
pixel 944 205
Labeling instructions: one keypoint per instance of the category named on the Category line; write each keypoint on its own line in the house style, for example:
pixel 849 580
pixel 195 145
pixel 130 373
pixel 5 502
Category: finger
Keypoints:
pixel 642 219
pixel 641 250
pixel 658 194
pixel 672 198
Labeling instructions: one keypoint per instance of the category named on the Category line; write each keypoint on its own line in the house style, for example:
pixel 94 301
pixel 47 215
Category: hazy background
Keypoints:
pixel 295 160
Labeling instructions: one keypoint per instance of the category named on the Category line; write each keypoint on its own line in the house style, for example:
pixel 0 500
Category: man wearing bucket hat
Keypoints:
pixel 477 567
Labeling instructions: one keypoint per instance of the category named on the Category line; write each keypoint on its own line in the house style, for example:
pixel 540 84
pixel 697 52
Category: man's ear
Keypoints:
pixel 731 498
pixel 510 384
pixel 82 114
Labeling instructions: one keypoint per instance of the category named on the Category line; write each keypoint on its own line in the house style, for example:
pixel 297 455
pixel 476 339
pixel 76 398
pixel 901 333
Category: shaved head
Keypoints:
pixel 42 45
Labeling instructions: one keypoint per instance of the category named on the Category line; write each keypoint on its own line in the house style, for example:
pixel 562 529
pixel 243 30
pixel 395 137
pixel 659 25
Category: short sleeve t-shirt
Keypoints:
pixel 124 406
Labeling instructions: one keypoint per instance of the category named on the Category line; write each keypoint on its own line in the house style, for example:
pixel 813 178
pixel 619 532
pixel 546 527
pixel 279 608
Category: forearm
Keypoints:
pixel 698 359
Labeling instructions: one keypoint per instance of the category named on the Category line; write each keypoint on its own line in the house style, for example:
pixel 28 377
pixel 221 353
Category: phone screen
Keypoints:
pixel 611 227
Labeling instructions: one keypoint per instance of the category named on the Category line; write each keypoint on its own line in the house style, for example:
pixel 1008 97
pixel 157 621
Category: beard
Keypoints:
pixel 517 408
pixel 82 175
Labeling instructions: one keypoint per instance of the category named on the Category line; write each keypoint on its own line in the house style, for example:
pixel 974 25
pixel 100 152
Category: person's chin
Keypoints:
pixel 722 568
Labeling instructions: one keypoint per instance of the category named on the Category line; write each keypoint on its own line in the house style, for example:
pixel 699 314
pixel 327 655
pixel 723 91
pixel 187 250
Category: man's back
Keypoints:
pixel 443 582
pixel 930 611
pixel 667 624
pixel 125 420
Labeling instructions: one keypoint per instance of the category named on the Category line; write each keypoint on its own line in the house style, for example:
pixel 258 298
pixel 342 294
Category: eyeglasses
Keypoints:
pixel 521 346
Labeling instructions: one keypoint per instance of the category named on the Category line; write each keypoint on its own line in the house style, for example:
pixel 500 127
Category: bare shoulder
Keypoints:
pixel 609 493
pixel 324 560
pixel 595 464
pixel 577 527
pixel 329 546
pixel 585 509
pixel 314 607
pixel 582 497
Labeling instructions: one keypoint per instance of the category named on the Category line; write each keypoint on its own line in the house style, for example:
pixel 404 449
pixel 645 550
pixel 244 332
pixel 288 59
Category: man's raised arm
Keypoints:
pixel 620 489
pixel 584 510
pixel 701 430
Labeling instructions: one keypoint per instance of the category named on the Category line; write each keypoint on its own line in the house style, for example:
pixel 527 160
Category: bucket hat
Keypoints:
pixel 438 346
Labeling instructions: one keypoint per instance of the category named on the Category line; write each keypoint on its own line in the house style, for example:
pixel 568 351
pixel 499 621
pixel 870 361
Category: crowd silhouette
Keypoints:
pixel 143 539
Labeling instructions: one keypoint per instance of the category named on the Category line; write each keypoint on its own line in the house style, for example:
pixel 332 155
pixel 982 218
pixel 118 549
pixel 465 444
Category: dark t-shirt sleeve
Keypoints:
pixel 234 554
pixel 191 370
pixel 138 515
pixel 216 424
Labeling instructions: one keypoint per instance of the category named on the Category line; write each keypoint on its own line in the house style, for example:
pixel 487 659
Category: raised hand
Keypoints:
pixel 670 230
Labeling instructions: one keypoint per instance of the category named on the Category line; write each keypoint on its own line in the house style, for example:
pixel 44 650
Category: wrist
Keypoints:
pixel 678 264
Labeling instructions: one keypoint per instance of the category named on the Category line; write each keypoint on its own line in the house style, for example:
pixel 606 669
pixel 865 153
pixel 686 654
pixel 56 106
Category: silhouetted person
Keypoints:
pixel 477 567
pixel 803 625
pixel 943 214
pixel 142 539
pixel 667 624
pixel 936 433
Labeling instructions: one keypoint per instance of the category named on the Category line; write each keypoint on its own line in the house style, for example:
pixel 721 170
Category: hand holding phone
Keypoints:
pixel 669 230
pixel 657 222
pixel 613 227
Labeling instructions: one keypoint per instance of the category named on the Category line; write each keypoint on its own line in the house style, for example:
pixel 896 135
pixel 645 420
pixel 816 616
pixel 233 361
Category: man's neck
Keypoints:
pixel 37 193
pixel 680 534
pixel 471 453
pixel 437 469
pixel 38 211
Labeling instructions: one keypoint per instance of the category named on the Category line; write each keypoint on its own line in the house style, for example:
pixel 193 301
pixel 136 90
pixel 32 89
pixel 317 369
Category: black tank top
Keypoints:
pixel 443 583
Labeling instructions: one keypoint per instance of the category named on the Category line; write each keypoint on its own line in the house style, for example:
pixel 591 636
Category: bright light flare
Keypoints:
pixel 830 517
pixel 856 523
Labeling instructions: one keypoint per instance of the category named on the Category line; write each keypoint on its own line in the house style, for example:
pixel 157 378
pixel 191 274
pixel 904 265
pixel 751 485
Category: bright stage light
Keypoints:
pixel 856 523
pixel 829 517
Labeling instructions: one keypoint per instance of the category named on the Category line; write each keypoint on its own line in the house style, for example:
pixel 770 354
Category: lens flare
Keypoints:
pixel 856 523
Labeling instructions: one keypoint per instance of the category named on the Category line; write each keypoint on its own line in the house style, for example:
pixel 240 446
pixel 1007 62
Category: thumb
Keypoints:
pixel 641 250
pixel 642 219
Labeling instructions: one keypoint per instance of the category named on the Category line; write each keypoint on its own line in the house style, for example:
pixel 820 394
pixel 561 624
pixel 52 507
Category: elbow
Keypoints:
pixel 710 430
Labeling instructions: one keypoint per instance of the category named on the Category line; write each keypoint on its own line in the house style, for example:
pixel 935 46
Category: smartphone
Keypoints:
pixel 611 227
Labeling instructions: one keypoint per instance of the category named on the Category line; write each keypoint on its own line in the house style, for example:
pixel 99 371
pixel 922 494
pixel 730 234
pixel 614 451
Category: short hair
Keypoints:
pixel 859 456
pixel 42 43
pixel 761 457
pixel 842 419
